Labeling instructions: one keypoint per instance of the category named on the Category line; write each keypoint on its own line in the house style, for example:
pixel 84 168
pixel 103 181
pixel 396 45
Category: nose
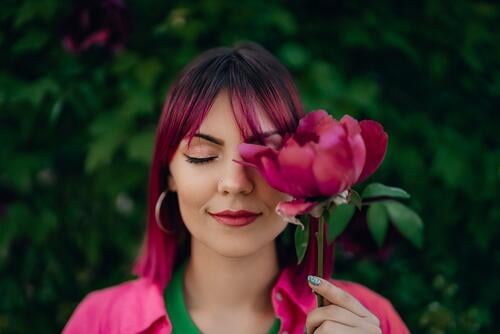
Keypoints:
pixel 235 179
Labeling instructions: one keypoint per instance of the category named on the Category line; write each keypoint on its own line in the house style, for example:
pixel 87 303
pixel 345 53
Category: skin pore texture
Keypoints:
pixel 231 271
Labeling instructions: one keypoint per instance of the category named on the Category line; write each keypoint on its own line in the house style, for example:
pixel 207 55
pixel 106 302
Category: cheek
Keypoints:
pixel 194 189
pixel 273 196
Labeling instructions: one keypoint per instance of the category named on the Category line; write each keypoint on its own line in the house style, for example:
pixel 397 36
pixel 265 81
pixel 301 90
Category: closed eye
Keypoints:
pixel 194 160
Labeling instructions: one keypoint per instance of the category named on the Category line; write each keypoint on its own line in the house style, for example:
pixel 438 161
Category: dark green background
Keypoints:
pixel 77 130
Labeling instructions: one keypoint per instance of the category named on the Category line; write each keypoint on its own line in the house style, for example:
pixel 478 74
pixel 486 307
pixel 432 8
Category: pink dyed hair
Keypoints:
pixel 251 75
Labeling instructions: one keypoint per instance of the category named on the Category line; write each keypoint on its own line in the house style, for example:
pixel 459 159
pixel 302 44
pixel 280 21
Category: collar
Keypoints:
pixel 143 304
pixel 294 286
pixel 138 304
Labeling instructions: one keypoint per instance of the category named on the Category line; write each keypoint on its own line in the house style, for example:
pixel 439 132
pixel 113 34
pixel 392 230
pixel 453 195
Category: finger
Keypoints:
pixel 329 327
pixel 338 296
pixel 333 313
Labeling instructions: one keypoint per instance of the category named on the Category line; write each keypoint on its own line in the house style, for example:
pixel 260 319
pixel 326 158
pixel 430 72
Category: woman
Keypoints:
pixel 216 257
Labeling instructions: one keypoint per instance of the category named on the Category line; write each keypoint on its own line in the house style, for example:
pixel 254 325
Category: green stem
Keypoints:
pixel 320 239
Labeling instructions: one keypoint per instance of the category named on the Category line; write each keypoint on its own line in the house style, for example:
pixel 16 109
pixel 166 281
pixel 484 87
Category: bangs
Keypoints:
pixel 251 82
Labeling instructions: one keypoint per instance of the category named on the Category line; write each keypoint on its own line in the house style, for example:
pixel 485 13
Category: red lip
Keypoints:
pixel 240 213
pixel 235 218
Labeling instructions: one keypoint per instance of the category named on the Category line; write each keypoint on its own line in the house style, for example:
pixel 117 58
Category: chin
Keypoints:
pixel 236 249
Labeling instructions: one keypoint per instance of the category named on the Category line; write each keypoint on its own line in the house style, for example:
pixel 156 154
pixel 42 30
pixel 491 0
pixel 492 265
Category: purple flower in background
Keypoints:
pixel 104 23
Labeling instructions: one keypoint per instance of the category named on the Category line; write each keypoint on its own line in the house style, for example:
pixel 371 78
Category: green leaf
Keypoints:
pixel 101 151
pixel 124 61
pixel 406 221
pixel 401 43
pixel 355 199
pixel 148 71
pixel 449 165
pixel 140 146
pixel 56 111
pixel 35 10
pixel 378 222
pixel 36 91
pixel 338 219
pixel 32 41
pixel 362 92
pixel 302 239
pixel 108 131
pixel 379 190
pixel 294 55
pixel 356 36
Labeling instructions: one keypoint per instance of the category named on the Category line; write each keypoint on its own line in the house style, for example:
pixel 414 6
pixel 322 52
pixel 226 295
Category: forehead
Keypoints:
pixel 221 119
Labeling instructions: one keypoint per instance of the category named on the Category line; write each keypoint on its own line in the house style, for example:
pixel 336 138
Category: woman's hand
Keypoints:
pixel 342 313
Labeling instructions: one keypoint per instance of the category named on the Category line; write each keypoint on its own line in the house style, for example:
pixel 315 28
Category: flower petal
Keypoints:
pixel 356 143
pixel 289 210
pixel 310 122
pixel 375 139
pixel 296 165
pixel 333 168
pixel 296 207
pixel 264 159
pixel 271 172
pixel 253 153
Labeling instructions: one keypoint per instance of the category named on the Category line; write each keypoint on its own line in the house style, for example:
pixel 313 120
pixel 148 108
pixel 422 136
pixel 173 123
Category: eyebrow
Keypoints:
pixel 221 142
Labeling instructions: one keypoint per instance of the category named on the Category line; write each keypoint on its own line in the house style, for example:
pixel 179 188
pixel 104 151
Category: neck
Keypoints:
pixel 230 284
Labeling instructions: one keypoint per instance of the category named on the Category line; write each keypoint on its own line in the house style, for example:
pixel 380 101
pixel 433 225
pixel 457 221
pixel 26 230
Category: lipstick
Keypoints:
pixel 235 218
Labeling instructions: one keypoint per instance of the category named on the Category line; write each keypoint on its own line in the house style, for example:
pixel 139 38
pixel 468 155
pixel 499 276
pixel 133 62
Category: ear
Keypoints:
pixel 171 183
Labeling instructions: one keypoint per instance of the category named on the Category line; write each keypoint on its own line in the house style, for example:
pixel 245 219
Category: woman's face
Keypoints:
pixel 217 183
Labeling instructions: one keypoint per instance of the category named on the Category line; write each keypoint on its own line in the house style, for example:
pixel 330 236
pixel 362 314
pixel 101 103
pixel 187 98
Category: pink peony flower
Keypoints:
pixel 320 162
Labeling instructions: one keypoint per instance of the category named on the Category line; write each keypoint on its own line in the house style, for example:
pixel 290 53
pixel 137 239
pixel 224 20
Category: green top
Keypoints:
pixel 177 311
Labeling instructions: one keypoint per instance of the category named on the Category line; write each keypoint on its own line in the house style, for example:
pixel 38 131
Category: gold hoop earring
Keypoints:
pixel 157 212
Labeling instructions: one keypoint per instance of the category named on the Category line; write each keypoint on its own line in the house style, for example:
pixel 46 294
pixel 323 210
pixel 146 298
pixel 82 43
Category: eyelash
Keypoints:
pixel 199 160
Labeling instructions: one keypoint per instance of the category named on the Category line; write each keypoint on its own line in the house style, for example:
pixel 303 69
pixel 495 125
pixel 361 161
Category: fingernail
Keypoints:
pixel 313 280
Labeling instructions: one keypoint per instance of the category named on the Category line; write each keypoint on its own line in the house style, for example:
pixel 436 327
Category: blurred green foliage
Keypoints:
pixel 77 132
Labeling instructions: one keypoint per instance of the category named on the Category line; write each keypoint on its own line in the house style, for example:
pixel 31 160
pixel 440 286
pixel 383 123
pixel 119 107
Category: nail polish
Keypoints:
pixel 313 280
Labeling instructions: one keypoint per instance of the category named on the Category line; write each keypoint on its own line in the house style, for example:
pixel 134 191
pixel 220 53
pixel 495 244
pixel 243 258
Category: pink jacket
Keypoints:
pixel 138 306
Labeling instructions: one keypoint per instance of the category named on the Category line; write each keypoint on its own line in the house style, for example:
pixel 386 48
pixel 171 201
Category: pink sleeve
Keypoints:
pixel 85 318
pixel 381 307
pixel 390 320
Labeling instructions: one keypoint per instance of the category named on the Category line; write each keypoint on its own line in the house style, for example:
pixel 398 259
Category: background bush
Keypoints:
pixel 77 132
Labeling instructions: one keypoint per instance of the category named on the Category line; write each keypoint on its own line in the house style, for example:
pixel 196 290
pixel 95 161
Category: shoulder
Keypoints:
pixel 381 307
pixel 128 305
